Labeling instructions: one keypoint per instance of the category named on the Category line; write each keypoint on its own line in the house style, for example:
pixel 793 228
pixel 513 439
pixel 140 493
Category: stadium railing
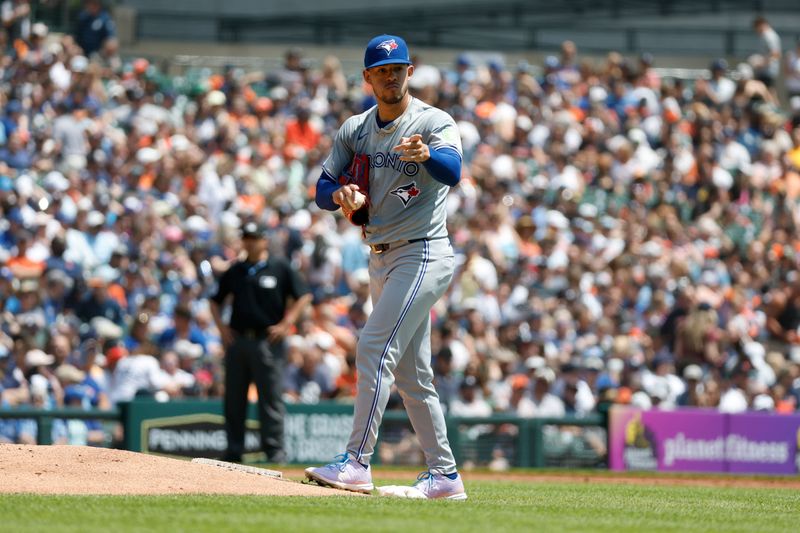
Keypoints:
pixel 507 440
pixel 45 417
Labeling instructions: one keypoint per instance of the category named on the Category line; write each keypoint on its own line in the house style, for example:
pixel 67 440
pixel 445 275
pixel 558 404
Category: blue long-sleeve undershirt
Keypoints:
pixel 326 186
pixel 444 165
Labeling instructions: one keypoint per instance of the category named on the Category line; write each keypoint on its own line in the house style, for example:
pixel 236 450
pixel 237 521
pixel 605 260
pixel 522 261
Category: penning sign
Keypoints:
pixel 193 428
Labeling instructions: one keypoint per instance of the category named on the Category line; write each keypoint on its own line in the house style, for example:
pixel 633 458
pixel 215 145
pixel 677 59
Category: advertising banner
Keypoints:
pixel 191 428
pixel 764 444
pixel 696 440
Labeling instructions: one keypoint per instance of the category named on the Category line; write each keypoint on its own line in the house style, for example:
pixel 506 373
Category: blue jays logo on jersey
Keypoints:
pixel 388 46
pixel 406 192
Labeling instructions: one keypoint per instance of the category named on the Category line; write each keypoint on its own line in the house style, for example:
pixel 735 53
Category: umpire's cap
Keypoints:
pixel 254 230
pixel 386 50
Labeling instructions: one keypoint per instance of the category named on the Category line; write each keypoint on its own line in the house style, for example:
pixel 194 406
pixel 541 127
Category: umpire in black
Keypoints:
pixel 267 296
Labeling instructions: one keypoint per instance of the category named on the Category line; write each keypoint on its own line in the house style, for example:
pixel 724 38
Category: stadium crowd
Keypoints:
pixel 621 238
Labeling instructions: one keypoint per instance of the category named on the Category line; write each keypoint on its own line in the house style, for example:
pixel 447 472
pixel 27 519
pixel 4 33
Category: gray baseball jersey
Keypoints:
pixel 406 204
pixel 405 201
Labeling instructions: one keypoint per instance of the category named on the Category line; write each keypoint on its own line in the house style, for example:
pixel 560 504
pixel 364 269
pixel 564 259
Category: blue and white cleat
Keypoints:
pixel 344 474
pixel 438 486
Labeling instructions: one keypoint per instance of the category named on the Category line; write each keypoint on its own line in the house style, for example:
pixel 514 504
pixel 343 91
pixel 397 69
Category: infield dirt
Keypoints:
pixel 85 470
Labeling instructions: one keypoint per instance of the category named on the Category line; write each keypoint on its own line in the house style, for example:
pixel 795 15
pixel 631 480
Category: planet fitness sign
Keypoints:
pixel 695 440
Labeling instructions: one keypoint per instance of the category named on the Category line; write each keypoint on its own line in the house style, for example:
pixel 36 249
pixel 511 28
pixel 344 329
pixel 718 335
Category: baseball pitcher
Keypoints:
pixel 389 171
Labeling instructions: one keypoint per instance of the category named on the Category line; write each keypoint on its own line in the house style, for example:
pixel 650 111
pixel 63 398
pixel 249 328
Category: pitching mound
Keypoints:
pixel 84 470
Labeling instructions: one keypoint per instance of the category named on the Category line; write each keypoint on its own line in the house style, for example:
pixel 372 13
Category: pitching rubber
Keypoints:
pixel 239 468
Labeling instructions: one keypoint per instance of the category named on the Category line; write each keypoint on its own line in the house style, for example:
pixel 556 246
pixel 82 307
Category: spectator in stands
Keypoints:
pixel 138 374
pixel 720 88
pixel 14 385
pixel 183 330
pixel 698 338
pixel 346 383
pixel 792 70
pixel 519 402
pixel 691 397
pixel 301 134
pixel 444 379
pixel 95 27
pixel 309 381
pixel 570 375
pixel 57 290
pixel 35 54
pixel 734 399
pixel 30 315
pixel 98 302
pixel 470 401
pixel 69 134
pixel 16 18
pixel 181 382
pixel 543 403
pixel 27 430
pixel 663 383
pixel 138 331
pixel 768 64
pixel 60 347
pixel 78 432
pixel 16 154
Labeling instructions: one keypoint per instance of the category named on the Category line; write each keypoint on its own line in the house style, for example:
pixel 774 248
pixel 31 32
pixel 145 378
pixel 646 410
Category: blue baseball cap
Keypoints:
pixel 386 50
pixel 14 106
pixel 75 392
pixel 605 381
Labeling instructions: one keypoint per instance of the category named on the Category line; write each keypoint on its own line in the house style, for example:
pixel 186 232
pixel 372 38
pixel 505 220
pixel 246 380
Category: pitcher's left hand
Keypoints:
pixel 413 149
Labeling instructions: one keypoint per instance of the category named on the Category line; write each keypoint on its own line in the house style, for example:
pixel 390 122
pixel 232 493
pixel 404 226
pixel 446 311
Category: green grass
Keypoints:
pixel 493 506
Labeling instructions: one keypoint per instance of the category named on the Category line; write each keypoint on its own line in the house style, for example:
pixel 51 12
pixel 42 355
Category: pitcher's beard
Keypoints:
pixel 394 98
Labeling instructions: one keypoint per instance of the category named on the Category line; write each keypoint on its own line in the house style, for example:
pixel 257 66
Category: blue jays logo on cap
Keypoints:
pixel 386 50
pixel 388 45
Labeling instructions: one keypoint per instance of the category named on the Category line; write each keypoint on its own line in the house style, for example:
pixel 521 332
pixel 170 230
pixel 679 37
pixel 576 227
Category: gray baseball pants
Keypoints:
pixel 394 346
